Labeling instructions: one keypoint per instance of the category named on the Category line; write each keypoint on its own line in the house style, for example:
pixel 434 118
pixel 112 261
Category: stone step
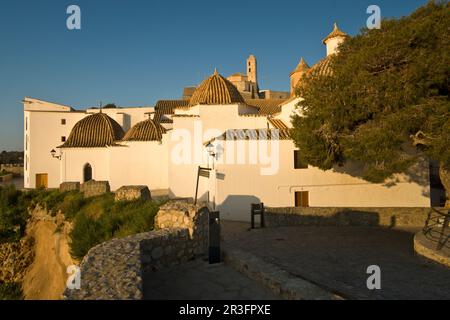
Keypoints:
pixel 279 281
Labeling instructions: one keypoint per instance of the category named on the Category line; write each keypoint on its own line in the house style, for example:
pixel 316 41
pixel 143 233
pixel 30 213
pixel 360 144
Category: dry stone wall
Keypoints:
pixel 69 186
pixel 129 193
pixel 113 269
pixel 94 188
pixel 384 217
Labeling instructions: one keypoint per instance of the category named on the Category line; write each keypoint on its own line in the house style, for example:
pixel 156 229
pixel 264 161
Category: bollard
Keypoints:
pixel 214 237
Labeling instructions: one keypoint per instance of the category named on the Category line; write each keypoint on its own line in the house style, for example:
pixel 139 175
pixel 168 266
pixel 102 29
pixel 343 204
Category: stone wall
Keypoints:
pixel 7 177
pixel 384 217
pixel 182 214
pixel 15 169
pixel 113 269
pixel 129 193
pixel 69 186
pixel 94 188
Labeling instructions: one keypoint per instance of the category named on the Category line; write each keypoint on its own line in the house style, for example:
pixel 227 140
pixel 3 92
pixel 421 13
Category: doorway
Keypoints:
pixel 302 199
pixel 87 172
pixel 42 180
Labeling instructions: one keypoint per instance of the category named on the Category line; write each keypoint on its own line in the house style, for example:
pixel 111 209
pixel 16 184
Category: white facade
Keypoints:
pixel 243 171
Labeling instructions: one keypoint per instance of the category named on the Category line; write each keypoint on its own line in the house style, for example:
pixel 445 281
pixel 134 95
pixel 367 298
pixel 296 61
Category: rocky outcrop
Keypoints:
pixel 130 193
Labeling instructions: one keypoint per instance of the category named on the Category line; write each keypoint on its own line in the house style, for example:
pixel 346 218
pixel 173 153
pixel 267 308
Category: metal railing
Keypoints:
pixel 437 228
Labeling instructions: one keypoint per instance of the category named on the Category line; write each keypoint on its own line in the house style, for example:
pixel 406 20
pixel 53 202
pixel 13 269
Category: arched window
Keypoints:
pixel 87 172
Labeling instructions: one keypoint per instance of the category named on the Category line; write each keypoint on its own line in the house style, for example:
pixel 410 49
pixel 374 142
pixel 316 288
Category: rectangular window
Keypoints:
pixel 63 121
pixel 26 123
pixel 302 199
pixel 298 162
pixel 63 139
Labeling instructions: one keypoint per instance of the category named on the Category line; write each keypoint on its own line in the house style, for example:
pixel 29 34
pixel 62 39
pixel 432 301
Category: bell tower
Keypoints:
pixel 251 69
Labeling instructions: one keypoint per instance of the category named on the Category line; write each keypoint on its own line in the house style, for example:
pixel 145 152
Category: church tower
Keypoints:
pixel 251 69
pixel 334 39
pixel 297 75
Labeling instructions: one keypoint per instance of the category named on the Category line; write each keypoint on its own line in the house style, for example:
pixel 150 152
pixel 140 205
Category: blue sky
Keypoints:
pixel 134 52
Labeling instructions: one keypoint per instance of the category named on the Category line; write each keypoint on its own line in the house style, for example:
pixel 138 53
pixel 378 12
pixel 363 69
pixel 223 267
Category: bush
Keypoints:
pixel 13 213
pixel 102 219
pixel 95 219
pixel 72 204
pixel 10 291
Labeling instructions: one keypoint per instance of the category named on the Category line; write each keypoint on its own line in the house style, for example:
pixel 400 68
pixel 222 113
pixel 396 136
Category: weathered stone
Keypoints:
pixel 69 186
pixel 94 188
pixel 129 193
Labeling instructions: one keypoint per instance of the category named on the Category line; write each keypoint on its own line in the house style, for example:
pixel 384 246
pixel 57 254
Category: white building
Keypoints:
pixel 245 144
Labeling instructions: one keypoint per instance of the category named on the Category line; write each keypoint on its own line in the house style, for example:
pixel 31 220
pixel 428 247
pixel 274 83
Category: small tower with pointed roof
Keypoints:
pixel 334 39
pixel 297 74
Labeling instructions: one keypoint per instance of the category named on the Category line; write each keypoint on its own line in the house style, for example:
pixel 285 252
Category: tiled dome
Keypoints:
pixel 146 130
pixel 216 90
pixel 97 130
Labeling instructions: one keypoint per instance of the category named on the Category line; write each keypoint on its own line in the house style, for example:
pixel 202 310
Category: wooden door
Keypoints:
pixel 302 199
pixel 42 180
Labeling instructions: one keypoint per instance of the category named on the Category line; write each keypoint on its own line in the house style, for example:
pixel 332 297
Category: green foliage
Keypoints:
pixel 101 219
pixel 388 93
pixel 13 213
pixel 11 157
pixel 71 204
pixel 10 291
pixel 95 220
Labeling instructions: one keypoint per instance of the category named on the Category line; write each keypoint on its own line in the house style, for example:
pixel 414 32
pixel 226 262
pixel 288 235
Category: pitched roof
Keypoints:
pixel 253 134
pixel 266 106
pixel 146 130
pixel 335 33
pixel 216 90
pixel 167 107
pixel 96 130
pixel 278 124
pixel 301 67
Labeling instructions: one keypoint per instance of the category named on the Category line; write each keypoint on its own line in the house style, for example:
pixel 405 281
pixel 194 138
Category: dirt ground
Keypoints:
pixel 46 278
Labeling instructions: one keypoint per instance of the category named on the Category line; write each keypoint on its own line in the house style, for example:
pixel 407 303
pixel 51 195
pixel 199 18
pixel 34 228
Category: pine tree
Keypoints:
pixel 386 102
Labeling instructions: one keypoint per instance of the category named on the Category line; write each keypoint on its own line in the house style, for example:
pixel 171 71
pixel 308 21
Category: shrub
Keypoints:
pixel 72 203
pixel 13 213
pixel 102 219
pixel 86 233
pixel 10 291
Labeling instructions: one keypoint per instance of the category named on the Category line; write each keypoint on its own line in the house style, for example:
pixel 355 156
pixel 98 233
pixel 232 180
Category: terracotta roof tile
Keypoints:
pixel 266 106
pixel 216 90
pixel 146 130
pixel 278 124
pixel 335 33
pixel 97 130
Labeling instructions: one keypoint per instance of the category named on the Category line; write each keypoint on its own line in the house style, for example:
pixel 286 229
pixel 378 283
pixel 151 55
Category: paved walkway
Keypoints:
pixel 197 280
pixel 337 258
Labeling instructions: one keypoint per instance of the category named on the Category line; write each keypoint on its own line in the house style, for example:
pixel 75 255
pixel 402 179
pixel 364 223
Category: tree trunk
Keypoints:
pixel 444 174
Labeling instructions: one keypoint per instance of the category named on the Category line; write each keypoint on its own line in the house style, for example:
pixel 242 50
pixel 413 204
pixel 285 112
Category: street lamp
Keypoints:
pixel 211 151
pixel 53 153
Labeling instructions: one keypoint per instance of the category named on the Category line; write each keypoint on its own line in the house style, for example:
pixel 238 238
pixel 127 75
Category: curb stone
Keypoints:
pixel 279 281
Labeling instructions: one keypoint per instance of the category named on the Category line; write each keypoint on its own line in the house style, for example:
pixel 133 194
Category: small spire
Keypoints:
pixel 335 33
pixel 215 72
pixel 301 67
